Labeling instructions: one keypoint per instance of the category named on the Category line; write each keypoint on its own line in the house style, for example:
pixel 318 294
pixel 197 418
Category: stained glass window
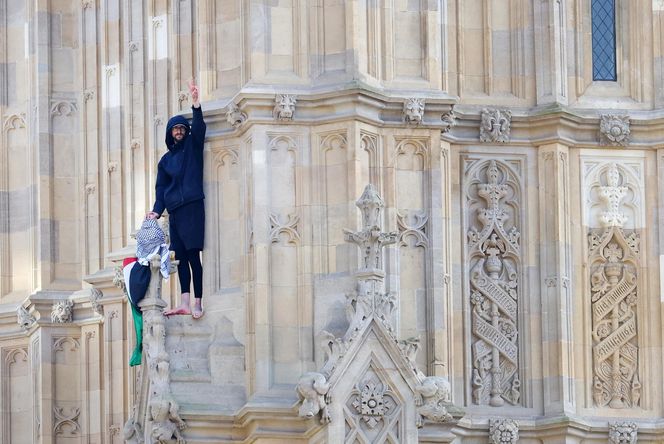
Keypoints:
pixel 604 39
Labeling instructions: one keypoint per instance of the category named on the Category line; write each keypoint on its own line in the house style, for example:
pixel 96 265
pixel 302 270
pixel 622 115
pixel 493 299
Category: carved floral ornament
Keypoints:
pixel 372 401
pixel 495 125
pixel 503 431
pixel 614 130
pixel 495 260
pixel 622 433
pixel 614 264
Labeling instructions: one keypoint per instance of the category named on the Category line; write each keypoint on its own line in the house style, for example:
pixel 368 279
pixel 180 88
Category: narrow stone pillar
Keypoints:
pixel 556 293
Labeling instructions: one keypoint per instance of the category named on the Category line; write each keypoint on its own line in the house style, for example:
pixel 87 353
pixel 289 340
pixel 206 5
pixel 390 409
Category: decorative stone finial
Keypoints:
pixel 371 239
pixel 612 195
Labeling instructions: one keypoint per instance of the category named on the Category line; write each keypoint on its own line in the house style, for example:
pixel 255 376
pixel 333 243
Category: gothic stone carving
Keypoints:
pixel 95 297
pixel 312 390
pixel 449 121
pixel 284 107
pixel 432 397
pixel 24 319
pixel 413 111
pixel 371 240
pixel 503 431
pixel 622 433
pixel 494 253
pixel 614 130
pixel 614 293
pixel 166 421
pixel 372 401
pixel 66 423
pixel 288 228
pixel 118 280
pixel 235 116
pixel 132 432
pixel 413 224
pixel 495 125
pixel 62 312
pixel 162 409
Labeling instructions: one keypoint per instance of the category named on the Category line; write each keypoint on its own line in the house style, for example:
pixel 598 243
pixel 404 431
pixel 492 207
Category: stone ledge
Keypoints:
pixel 578 127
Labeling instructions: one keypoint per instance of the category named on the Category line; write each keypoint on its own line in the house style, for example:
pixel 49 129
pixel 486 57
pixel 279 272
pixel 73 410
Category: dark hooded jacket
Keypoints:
pixel 180 170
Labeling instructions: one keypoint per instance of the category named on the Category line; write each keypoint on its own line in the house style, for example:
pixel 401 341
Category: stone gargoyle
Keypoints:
pixel 312 388
pixel 432 397
pixel 166 421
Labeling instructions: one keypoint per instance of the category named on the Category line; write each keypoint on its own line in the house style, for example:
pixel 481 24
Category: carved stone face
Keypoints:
pixel 62 312
pixel 414 109
pixel 285 106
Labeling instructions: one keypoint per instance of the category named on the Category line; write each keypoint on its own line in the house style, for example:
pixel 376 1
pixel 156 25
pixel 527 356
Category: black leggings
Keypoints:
pixel 190 258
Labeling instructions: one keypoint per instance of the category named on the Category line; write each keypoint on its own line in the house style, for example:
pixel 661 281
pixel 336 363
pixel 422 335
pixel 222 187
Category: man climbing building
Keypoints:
pixel 179 189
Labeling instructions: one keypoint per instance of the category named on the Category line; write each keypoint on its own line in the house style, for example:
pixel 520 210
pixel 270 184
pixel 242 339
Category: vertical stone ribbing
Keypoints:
pixel 555 263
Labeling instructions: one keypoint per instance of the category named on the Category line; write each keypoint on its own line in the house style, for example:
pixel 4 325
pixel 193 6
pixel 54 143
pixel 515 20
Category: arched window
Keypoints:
pixel 604 39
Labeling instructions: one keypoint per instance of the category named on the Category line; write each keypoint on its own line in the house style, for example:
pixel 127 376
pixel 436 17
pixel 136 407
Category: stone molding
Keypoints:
pixel 528 126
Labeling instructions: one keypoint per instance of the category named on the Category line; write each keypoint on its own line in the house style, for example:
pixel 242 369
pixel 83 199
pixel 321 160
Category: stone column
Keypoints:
pixel 555 274
pixel 550 51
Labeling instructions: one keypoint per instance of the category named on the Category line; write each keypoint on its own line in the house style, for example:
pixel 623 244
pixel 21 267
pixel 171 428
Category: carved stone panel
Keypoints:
pixel 372 411
pixel 614 268
pixel 494 250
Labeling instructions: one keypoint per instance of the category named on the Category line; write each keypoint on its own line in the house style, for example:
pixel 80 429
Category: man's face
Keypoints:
pixel 178 132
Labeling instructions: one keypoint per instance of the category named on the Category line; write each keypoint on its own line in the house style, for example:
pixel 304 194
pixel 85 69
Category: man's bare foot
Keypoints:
pixel 179 310
pixel 197 312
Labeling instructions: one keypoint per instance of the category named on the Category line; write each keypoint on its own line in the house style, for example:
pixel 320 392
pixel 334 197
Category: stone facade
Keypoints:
pixel 525 201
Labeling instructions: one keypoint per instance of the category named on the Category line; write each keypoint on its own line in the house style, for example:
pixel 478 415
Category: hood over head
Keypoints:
pixel 173 121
